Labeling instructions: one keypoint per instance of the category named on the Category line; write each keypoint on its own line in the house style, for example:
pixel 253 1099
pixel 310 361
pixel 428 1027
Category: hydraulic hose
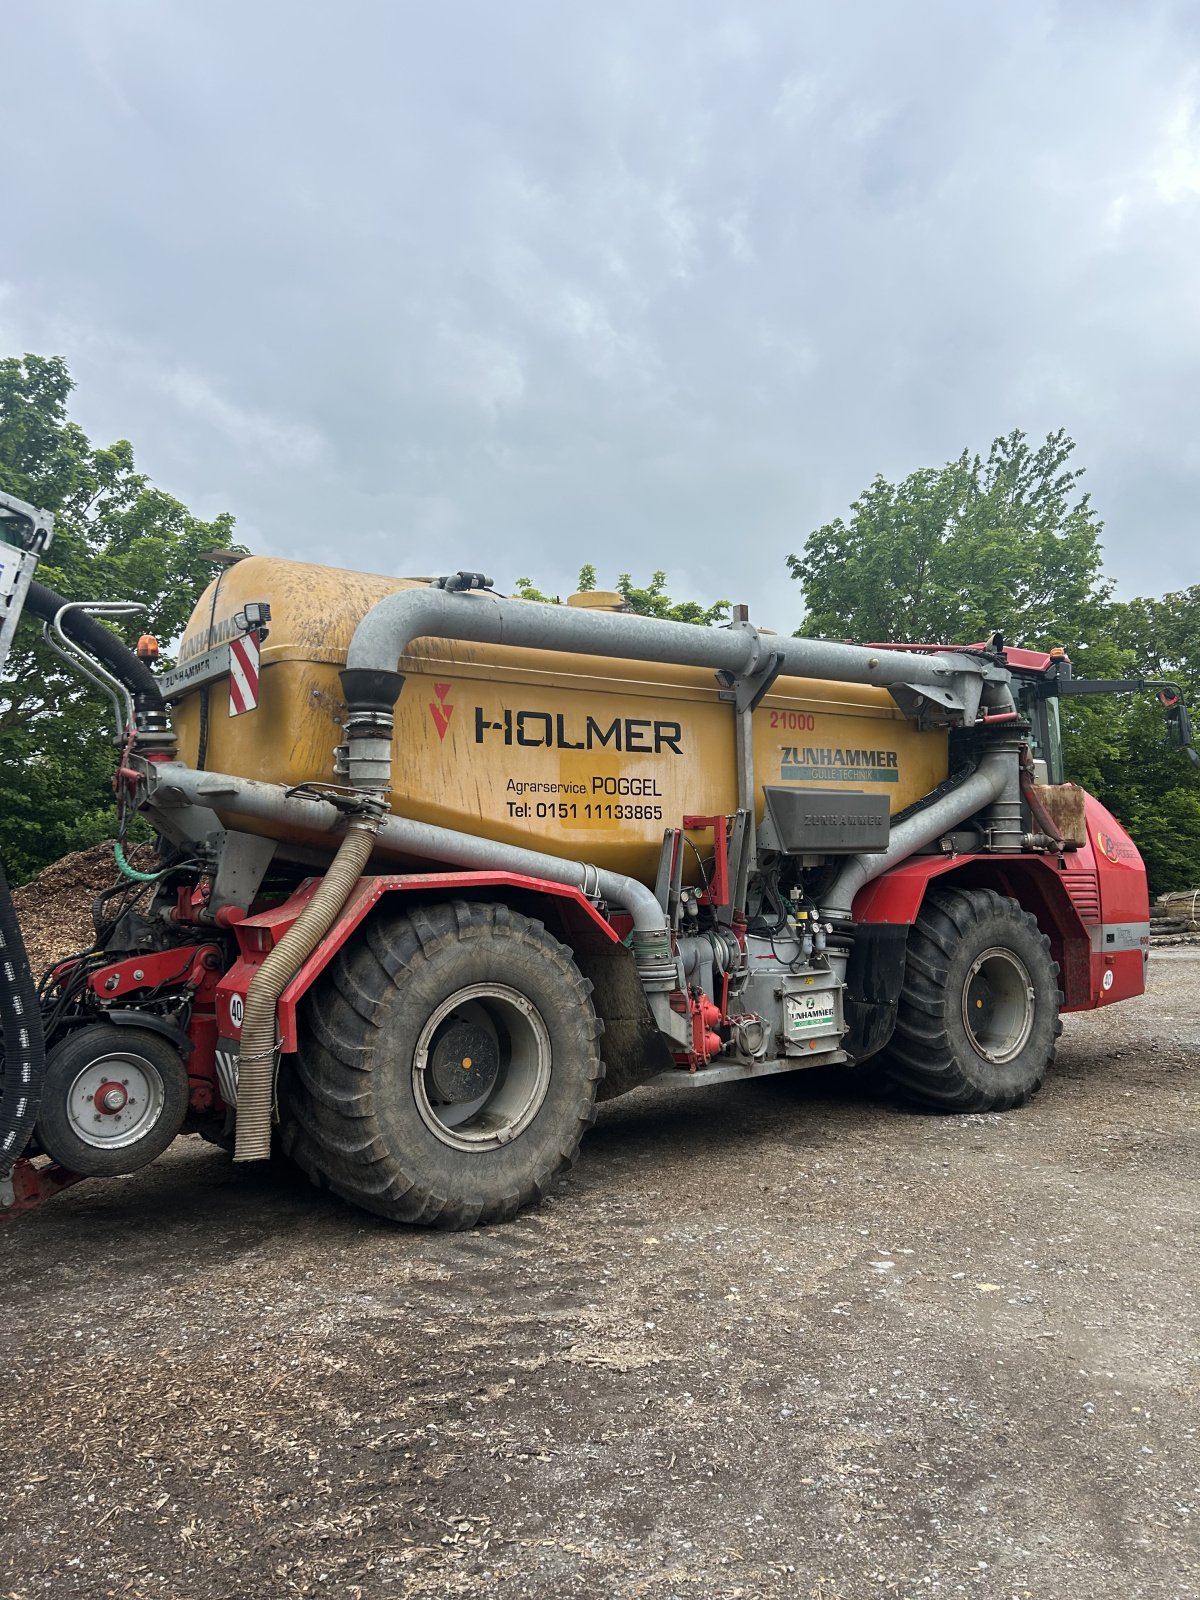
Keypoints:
pixel 256 1057
pixel 102 643
pixel 24 1042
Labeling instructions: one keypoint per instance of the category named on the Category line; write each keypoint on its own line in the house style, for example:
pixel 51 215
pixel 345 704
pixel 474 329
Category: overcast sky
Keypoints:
pixel 520 285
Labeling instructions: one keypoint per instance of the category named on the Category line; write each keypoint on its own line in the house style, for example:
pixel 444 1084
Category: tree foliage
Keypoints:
pixel 949 554
pixel 954 552
pixel 1011 541
pixel 116 536
pixel 1140 776
pixel 648 600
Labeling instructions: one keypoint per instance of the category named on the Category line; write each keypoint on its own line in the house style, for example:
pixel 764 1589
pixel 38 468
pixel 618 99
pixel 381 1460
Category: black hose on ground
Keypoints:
pixel 99 641
pixel 24 1041
pixel 20 1014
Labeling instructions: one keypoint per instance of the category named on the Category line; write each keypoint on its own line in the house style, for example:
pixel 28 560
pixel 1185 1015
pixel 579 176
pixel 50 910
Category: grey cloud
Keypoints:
pixel 523 286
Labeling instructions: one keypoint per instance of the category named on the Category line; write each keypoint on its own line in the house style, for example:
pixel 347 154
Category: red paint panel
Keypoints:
pixel 1124 892
pixel 1035 882
pixel 1124 899
pixel 231 996
pixel 34 1183
pixel 896 896
pixel 258 934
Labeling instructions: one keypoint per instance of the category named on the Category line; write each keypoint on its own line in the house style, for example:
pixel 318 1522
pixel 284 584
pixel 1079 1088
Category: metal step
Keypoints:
pixel 738 1071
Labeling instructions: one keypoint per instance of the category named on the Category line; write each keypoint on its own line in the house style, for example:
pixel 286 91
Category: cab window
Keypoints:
pixel 1045 728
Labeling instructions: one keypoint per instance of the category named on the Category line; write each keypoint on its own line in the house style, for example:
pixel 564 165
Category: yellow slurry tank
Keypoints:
pixel 577 756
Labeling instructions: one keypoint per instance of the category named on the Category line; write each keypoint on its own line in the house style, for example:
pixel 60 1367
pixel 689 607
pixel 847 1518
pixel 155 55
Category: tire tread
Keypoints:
pixel 329 1127
pixel 920 1060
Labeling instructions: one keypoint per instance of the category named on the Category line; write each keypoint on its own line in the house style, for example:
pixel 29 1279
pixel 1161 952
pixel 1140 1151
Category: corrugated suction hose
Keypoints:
pixel 256 1058
pixel 24 1044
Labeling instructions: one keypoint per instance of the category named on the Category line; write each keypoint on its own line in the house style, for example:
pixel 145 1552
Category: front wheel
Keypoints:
pixel 447 1069
pixel 977 1023
pixel 113 1099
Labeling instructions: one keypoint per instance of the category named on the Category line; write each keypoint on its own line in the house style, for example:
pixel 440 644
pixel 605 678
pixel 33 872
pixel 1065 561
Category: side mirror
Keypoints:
pixel 1179 724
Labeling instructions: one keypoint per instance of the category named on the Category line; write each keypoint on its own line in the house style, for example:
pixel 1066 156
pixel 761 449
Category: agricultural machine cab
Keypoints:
pixel 437 870
pixel 1037 694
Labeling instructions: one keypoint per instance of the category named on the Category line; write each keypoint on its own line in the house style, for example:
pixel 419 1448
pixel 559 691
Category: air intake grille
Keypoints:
pixel 1085 894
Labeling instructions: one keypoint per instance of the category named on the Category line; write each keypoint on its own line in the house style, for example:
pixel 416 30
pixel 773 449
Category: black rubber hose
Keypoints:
pixel 20 1014
pixel 102 643
pixel 24 1041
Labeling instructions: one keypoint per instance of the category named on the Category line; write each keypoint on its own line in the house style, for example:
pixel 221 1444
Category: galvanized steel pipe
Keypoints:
pixel 393 623
pixel 996 771
pixel 173 782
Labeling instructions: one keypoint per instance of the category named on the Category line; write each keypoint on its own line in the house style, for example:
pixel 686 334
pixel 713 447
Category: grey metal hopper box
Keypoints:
pixel 824 822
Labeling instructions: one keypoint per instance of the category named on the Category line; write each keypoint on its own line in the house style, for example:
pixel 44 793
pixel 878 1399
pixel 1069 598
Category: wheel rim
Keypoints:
pixel 998 1005
pixel 115 1100
pixel 494 1032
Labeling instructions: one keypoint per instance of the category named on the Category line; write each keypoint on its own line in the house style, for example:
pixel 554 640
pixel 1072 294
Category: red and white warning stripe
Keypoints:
pixel 243 674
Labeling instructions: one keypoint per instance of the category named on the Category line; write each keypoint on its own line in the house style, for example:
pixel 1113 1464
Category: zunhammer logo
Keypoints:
pixel 196 644
pixel 833 765
pixel 440 709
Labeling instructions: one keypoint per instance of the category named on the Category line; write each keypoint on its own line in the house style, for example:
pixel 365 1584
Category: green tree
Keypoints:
pixel 951 553
pixel 650 600
pixel 117 537
pixel 654 601
pixel 1142 777
pixel 1011 541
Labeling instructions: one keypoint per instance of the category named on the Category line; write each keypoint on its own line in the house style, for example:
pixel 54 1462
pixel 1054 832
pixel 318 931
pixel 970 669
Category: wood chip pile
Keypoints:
pixel 55 908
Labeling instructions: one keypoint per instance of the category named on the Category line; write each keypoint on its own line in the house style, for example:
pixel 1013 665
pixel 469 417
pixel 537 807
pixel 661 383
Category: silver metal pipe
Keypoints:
pixel 174 784
pixel 986 784
pixel 393 623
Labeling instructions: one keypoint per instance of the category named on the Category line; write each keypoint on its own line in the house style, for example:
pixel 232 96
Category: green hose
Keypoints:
pixel 132 872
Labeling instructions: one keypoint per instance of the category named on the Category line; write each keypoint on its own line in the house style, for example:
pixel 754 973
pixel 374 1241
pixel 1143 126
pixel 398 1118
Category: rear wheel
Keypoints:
pixel 977 1022
pixel 448 1067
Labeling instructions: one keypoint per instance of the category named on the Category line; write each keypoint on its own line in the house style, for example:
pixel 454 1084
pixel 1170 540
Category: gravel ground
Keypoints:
pixel 781 1339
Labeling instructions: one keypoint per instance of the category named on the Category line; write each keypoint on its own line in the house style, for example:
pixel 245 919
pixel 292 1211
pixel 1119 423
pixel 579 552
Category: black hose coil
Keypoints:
pixel 24 1042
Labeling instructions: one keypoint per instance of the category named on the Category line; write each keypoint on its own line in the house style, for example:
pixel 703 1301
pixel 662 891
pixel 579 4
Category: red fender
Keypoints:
pixel 1092 903
pixel 576 918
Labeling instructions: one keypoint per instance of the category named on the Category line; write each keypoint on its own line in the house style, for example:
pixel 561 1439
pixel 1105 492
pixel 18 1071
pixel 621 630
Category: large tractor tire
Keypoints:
pixel 447 1069
pixel 977 1023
